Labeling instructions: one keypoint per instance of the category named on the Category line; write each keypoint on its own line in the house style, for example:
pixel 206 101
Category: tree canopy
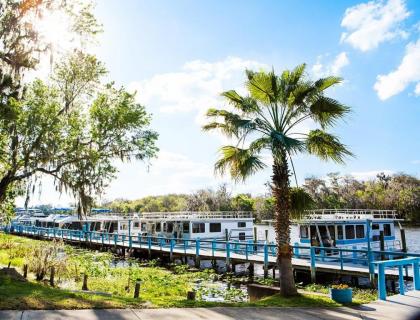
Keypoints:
pixel 73 126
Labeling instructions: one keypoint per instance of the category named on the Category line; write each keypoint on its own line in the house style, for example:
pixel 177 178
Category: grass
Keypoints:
pixel 16 295
pixel 360 296
pixel 160 287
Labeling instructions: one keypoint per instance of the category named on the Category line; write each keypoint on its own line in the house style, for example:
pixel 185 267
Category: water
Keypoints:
pixel 412 235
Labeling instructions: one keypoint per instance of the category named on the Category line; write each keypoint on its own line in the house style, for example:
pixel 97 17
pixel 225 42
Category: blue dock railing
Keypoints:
pixel 401 264
pixel 250 250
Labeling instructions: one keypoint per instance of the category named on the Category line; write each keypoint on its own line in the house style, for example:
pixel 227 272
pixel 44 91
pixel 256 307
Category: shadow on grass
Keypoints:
pixel 15 295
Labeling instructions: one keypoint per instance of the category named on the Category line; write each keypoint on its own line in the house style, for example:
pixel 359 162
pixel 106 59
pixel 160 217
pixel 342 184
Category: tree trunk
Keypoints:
pixel 5 182
pixel 281 192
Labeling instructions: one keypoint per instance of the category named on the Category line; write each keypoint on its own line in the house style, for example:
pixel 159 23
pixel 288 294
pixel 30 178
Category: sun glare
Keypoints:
pixel 54 30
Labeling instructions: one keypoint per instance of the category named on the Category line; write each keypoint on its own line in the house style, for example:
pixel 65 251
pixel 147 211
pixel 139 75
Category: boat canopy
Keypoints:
pixel 323 215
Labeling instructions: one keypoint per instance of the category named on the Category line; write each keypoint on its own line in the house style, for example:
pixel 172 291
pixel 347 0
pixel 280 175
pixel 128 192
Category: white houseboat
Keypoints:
pixel 177 225
pixel 349 228
pixel 230 225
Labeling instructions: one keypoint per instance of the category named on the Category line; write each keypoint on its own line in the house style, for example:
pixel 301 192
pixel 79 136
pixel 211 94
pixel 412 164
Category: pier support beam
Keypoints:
pixel 251 271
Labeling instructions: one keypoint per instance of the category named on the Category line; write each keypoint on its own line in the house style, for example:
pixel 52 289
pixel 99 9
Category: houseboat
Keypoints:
pixel 170 225
pixel 231 225
pixel 349 228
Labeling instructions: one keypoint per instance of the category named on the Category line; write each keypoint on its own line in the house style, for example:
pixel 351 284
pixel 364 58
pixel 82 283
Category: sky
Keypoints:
pixel 180 55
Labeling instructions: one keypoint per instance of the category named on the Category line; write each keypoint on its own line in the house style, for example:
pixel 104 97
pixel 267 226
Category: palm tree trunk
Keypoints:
pixel 281 192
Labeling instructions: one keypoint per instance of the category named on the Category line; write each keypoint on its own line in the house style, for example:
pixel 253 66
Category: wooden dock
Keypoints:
pixel 316 260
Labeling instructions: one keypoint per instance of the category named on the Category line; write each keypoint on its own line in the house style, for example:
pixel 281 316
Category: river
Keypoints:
pixel 412 235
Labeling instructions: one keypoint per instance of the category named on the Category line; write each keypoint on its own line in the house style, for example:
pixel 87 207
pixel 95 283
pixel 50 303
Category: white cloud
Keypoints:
pixel 417 89
pixel 407 72
pixel 195 88
pixel 369 24
pixel 369 175
pixel 321 69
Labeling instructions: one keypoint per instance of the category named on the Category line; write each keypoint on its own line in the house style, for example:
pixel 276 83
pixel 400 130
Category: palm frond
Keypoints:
pixel 244 104
pixel 289 144
pixel 326 146
pixel 259 144
pixel 260 86
pixel 325 83
pixel 241 163
pixel 326 110
pixel 232 125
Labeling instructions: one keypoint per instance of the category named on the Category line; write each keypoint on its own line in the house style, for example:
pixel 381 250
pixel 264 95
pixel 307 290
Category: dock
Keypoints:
pixel 313 260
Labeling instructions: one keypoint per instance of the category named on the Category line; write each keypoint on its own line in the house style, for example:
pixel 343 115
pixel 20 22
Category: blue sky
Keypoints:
pixel 179 55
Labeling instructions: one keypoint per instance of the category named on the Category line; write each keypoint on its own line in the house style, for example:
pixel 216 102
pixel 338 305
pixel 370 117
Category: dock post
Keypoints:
pixel 403 241
pixel 381 282
pixel 296 250
pixel 401 279
pixel 382 244
pixel 416 275
pixel 255 239
pixel 251 271
pixel 171 253
pixel 354 254
pixel 274 272
pixel 149 245
pixel 137 289
pixel 228 267
pixel 265 260
pixel 52 276
pixel 197 253
pixel 313 267
pixel 371 269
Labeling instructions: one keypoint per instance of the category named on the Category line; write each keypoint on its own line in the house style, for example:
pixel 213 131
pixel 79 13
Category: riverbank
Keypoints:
pixel 115 280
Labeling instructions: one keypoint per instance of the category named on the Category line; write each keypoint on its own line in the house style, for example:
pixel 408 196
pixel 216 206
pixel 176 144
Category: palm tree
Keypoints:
pixel 269 118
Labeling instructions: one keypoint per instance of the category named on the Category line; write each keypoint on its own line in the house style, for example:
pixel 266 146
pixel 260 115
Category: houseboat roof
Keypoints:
pixel 322 215
pixel 195 215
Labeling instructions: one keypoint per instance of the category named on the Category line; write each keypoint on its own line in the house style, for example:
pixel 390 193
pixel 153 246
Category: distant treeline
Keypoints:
pixel 399 191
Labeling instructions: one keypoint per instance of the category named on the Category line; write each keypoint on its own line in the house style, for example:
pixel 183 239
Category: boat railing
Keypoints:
pixel 189 215
pixel 348 214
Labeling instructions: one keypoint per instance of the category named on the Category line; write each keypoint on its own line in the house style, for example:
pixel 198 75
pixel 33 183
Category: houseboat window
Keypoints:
pixel 241 236
pixel 339 232
pixel 215 227
pixel 186 227
pixel 360 231
pixel 350 232
pixel 136 224
pixel 375 226
pixel 304 232
pixel 387 230
pixel 170 227
pixel 124 227
pixel 143 227
pixel 158 227
pixel 198 227
pixel 241 224
pixel 331 229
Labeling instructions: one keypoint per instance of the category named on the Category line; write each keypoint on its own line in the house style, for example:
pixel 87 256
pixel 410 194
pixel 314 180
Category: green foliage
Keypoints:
pixel 398 191
pixel 275 105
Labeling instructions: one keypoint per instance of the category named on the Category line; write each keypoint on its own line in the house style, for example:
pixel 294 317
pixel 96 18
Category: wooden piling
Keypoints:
pixel 191 295
pixel 85 280
pixel 25 271
pixel 403 241
pixel 137 289
pixel 52 275
pixel 382 244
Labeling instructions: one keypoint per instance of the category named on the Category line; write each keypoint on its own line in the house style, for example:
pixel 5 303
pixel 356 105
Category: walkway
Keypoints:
pixel 395 308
